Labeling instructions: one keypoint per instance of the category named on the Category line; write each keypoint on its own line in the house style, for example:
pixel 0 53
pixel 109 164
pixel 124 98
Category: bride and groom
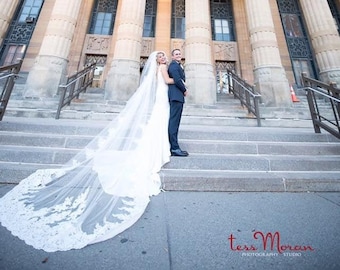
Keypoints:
pixel 106 187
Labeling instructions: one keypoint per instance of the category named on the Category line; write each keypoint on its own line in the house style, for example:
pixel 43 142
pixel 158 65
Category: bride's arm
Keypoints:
pixel 165 75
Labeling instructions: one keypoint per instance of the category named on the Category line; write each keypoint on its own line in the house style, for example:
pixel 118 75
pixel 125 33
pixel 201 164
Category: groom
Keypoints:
pixel 177 92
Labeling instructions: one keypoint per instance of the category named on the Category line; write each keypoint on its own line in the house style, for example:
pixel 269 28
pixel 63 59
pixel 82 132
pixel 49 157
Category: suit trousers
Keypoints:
pixel 176 109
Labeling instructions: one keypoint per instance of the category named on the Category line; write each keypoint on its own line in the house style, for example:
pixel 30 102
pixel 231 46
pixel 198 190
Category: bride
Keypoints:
pixel 106 187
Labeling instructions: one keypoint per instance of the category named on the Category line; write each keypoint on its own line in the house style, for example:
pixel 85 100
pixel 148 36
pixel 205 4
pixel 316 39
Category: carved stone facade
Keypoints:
pixel 262 52
pixel 226 51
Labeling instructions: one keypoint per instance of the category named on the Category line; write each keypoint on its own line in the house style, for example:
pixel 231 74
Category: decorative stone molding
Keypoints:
pixel 97 44
pixel 266 74
pixel 335 75
pixel 225 51
pixel 148 45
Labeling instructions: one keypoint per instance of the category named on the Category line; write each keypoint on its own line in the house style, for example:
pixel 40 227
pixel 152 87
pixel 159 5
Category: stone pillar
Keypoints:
pixel 198 53
pixel 51 63
pixel 163 27
pixel 324 37
pixel 123 76
pixel 6 13
pixel 269 75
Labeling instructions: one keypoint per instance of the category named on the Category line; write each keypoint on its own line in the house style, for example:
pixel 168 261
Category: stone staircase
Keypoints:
pixel 255 159
pixel 228 152
pixel 221 158
pixel 227 111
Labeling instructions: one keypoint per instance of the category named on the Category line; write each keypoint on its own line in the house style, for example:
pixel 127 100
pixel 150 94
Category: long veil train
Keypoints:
pixel 100 192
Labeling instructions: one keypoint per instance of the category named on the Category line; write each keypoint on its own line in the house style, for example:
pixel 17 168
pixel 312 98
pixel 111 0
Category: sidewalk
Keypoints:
pixel 192 230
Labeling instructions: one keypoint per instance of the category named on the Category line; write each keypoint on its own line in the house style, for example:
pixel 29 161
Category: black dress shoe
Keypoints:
pixel 185 152
pixel 179 153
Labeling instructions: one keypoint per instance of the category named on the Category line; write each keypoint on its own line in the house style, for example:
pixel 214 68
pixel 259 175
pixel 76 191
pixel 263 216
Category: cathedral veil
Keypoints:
pixel 99 193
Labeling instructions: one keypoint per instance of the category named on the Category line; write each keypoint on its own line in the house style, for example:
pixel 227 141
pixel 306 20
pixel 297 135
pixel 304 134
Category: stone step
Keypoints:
pixel 206 146
pixel 224 181
pixel 233 119
pixel 89 101
pixel 227 111
pixel 240 181
pixel 191 115
pixel 254 163
pixel 17 126
pixel 245 160
pixel 221 158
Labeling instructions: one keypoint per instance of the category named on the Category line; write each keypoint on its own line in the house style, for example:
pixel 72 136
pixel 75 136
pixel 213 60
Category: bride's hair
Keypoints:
pixel 161 53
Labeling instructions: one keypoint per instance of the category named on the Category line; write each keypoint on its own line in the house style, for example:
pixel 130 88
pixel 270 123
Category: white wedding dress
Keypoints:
pixel 106 187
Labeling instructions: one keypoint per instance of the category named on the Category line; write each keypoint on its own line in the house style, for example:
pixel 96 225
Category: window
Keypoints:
pixel 103 17
pixel 30 10
pixel 14 53
pixel 178 26
pixel 102 24
pixel 300 66
pixel 178 19
pixel 222 20
pixel 297 41
pixel 150 18
pixel 149 26
pixel 20 31
pixel 292 25
pixel 222 30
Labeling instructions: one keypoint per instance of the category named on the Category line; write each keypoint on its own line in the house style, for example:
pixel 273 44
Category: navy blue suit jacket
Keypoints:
pixel 176 90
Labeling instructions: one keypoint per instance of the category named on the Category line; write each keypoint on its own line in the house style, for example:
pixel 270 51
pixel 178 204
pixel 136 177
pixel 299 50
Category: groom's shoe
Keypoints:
pixel 179 153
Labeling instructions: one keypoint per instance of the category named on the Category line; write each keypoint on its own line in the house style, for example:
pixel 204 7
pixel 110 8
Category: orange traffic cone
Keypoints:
pixel 292 93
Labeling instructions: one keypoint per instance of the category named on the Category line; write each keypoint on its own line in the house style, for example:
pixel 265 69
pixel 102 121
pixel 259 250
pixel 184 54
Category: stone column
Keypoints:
pixel 269 75
pixel 6 13
pixel 51 63
pixel 324 37
pixel 198 53
pixel 123 76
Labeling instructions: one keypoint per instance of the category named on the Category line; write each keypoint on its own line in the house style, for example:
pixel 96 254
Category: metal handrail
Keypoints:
pixel 246 94
pixel 74 85
pixel 317 92
pixel 9 73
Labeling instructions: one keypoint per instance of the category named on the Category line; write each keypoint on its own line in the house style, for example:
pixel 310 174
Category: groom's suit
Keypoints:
pixel 176 99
